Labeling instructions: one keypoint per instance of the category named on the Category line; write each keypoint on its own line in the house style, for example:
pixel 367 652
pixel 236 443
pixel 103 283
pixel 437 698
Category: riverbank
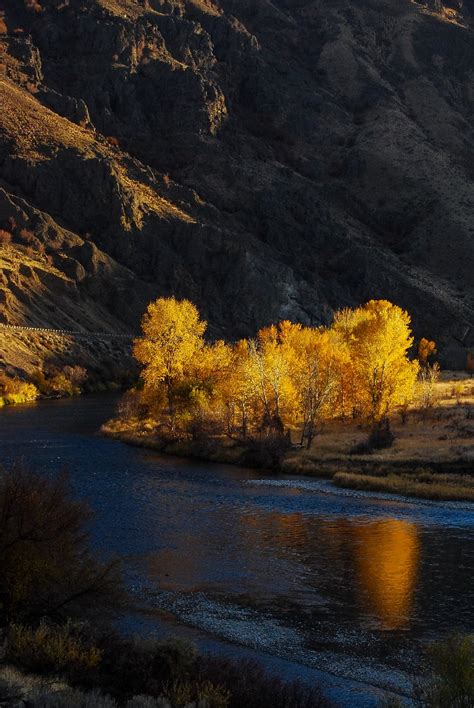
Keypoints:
pixel 432 456
pixel 449 478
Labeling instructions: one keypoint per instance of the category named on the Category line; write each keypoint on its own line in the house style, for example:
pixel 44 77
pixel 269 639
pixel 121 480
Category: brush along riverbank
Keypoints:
pixel 423 462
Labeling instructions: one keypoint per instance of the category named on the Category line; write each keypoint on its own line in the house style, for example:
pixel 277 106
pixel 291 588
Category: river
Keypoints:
pixel 334 586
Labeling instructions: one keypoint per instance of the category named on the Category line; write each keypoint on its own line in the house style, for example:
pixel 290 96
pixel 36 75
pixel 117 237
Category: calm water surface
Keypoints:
pixel 329 585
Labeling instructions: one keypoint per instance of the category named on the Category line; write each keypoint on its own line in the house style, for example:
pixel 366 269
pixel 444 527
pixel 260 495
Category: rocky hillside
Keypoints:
pixel 266 159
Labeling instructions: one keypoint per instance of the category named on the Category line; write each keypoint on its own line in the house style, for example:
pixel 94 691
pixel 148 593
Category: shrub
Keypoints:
pixel 144 702
pixel 132 405
pixel 361 448
pixel 451 680
pixel 5 237
pixel 381 436
pixel 457 392
pixel 69 381
pixel 143 674
pixel 27 236
pixel 47 567
pixel 70 699
pixel 176 657
pixel 470 363
pixel 137 668
pixel 10 690
pixel 250 685
pixel 208 695
pixel 13 390
pixel 51 649
pixel 213 696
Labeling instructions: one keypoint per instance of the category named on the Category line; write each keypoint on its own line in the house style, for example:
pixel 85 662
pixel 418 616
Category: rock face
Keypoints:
pixel 267 160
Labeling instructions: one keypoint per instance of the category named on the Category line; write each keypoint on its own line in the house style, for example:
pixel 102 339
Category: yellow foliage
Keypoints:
pixel 316 359
pixel 289 377
pixel 270 366
pixel 172 337
pixel 238 391
pixel 378 335
pixel 14 390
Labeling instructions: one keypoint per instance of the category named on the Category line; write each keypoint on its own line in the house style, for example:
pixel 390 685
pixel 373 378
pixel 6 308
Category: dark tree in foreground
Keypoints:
pixel 47 568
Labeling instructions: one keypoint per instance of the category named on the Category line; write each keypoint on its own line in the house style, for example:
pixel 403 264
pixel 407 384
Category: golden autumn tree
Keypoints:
pixel 172 336
pixel 289 377
pixel 271 372
pixel 208 371
pixel 378 335
pixel 239 391
pixel 348 403
pixel 315 359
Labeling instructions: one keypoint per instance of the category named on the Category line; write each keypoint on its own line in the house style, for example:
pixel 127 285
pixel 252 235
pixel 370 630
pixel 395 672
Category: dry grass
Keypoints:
pixel 444 14
pixel 36 130
pixel 423 485
pixel 37 133
pixel 125 9
pixel 147 200
pixel 430 443
pixel 442 434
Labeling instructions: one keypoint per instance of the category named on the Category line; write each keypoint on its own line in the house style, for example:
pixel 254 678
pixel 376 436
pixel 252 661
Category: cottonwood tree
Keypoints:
pixel 271 372
pixel 315 358
pixel 172 336
pixel 288 377
pixel 207 372
pixel 378 335
pixel 239 391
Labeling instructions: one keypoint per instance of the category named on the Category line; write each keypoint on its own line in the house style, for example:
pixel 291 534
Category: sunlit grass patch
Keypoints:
pixel 423 484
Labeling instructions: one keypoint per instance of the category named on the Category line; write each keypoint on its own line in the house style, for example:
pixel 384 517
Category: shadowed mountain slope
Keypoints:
pixel 267 160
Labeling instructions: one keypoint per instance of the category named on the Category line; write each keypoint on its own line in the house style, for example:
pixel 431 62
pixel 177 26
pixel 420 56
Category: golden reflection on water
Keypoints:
pixel 374 563
pixel 386 555
pixel 381 556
